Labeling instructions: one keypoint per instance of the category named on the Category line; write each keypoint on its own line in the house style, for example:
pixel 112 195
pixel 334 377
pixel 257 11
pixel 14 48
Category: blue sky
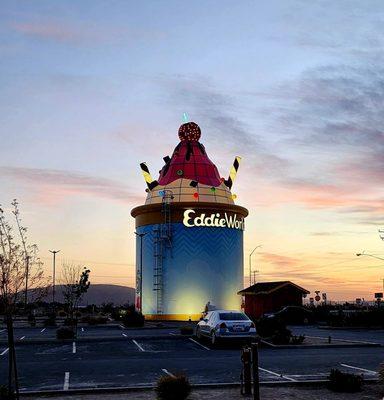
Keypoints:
pixel 92 88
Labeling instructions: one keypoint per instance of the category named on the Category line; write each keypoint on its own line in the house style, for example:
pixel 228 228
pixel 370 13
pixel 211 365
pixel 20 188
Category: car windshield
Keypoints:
pixel 233 316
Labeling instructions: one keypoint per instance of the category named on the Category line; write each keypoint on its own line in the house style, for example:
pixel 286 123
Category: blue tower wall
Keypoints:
pixel 203 264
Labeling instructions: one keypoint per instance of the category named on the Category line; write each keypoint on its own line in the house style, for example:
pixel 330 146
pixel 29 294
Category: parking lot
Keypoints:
pixel 116 357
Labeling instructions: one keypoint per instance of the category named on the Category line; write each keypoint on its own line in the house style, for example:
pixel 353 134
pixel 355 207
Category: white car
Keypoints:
pixel 224 324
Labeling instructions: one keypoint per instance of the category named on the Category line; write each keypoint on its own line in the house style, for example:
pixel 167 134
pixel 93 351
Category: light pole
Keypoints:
pixel 140 272
pixel 370 255
pixel 250 263
pixel 54 252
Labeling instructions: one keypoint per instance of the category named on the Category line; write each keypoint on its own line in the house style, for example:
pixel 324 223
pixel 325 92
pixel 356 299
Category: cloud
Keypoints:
pixel 52 186
pixel 60 31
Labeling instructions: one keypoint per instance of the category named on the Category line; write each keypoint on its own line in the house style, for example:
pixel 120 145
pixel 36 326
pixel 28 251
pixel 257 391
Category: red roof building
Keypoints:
pixel 267 297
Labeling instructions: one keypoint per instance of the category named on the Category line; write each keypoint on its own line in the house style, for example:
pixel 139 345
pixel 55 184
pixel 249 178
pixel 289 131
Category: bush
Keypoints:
pixel 133 318
pixel 32 320
pixel 4 393
pixel 281 337
pixel 297 339
pixel 344 382
pixel 381 373
pixel 96 320
pixel 186 330
pixel 62 313
pixel 51 320
pixel 173 388
pixel 65 332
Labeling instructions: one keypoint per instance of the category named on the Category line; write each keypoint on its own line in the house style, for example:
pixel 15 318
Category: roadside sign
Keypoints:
pixel 379 295
pixel 311 301
pixel 324 296
pixel 358 301
pixel 317 298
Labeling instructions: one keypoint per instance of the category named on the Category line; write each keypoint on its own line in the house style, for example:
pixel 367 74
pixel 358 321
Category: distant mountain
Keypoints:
pixel 98 294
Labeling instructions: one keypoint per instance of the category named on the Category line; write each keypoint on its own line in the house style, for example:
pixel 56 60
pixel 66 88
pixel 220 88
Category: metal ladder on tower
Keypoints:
pixel 162 236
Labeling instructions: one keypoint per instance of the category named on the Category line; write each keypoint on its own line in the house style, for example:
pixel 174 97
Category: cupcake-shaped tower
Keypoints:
pixel 189 247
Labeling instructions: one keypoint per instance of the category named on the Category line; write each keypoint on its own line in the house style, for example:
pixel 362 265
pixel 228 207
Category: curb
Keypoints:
pixel 319 346
pixel 198 386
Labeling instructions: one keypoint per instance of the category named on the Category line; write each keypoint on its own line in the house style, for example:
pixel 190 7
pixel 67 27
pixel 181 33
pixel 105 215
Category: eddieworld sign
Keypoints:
pixel 216 220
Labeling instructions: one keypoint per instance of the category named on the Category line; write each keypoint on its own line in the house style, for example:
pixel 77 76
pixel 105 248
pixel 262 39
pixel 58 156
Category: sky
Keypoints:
pixel 90 89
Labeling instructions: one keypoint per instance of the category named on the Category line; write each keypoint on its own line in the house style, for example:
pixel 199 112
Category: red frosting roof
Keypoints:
pixel 189 160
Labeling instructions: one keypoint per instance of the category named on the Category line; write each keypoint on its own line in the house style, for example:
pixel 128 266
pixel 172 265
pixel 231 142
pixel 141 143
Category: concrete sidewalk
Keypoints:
pixel 369 392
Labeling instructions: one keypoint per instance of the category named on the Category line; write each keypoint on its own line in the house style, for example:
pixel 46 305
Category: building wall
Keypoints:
pixel 203 264
pixel 257 305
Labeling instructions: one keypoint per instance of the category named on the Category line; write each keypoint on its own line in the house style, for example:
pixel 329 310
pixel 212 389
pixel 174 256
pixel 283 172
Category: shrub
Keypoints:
pixel 51 320
pixel 133 318
pixel 186 330
pixel 297 339
pixel 96 320
pixel 381 373
pixel 65 332
pixel 4 393
pixel 282 336
pixel 173 388
pixel 62 313
pixel 344 382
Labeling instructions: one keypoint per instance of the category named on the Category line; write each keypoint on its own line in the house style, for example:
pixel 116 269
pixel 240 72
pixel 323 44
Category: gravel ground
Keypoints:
pixel 370 392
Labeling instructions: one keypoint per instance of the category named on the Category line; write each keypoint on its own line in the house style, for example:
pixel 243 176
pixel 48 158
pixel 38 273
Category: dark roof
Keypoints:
pixel 269 287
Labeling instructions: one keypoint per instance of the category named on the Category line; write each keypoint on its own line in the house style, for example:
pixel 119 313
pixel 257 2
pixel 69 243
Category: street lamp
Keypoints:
pixel 140 273
pixel 250 263
pixel 54 252
pixel 369 255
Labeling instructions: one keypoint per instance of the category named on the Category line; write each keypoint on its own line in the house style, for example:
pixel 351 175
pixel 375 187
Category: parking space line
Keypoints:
pixel 168 373
pixel 201 345
pixel 122 326
pixel 74 347
pixel 276 374
pixel 42 330
pixel 4 352
pixel 138 345
pixel 359 369
pixel 22 338
pixel 66 381
pixel 82 329
pixel 124 334
pixel 3 330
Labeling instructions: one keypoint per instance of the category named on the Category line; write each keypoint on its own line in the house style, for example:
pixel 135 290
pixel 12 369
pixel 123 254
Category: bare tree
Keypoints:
pixel 19 264
pixel 75 283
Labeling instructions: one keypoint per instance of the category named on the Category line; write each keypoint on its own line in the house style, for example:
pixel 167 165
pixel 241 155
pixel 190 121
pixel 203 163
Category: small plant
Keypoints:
pixel 96 320
pixel 133 318
pixel 186 330
pixel 344 382
pixel 62 313
pixel 297 339
pixel 51 320
pixel 65 332
pixel 173 388
pixel 281 337
pixel 5 394
pixel 32 320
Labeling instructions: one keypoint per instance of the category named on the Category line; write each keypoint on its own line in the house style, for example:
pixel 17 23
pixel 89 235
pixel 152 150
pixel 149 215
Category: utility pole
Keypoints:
pixel 250 264
pixel 139 274
pixel 54 252
pixel 26 280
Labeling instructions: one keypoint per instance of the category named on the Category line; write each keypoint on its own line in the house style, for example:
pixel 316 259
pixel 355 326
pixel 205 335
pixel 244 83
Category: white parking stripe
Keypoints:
pixel 359 369
pixel 22 338
pixel 137 344
pixel 66 381
pixel 122 326
pixel 5 351
pixel 82 329
pixel 74 347
pixel 124 334
pixel 42 330
pixel 201 345
pixel 168 373
pixel 3 330
pixel 276 374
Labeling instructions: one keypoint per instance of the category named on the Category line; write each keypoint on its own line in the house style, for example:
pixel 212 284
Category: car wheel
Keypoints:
pixel 198 333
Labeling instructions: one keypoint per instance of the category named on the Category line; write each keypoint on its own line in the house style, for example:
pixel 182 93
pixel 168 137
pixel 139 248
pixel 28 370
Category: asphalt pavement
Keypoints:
pixel 140 357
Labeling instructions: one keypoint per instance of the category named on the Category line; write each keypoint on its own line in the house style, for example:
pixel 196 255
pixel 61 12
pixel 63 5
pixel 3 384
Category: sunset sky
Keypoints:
pixel 89 89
